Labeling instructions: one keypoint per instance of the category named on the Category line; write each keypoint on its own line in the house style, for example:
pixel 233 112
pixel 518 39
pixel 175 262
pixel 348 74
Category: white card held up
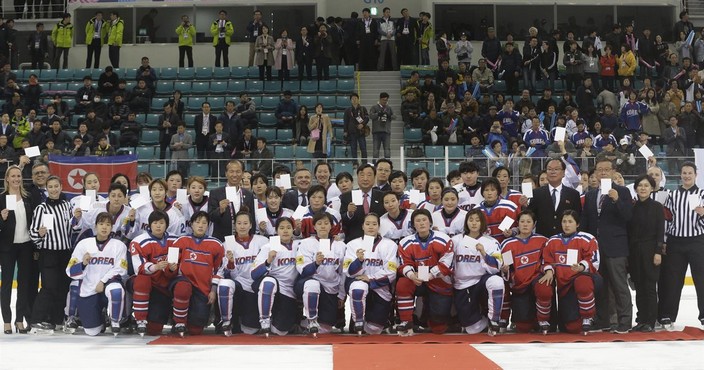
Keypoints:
pixel 284 181
pixel 560 133
pixel 299 213
pixel 694 201
pixel 11 202
pixel 92 195
pixel 182 196
pixel 260 215
pixel 48 221
pixel 230 242
pixel 415 196
pixel 470 242
pixel 275 243
pixel 506 223
pixel 172 257
pixel 579 189
pixel 92 246
pixel 324 247
pixel 368 243
pixel 231 194
pixel 144 190
pixel 459 187
pixel 527 189
pixel 507 258
pixel 424 273
pixel 605 186
pixel 86 203
pixel 32 151
pixel 357 197
pixel 646 152
pixel 572 257
pixel 138 201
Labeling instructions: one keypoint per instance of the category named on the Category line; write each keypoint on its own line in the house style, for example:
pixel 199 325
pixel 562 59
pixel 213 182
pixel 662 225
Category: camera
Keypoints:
pixel 222 29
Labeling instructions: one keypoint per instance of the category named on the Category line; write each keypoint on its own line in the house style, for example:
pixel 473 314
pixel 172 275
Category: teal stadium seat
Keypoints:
pixel 328 102
pixel 282 152
pixel 309 87
pixel 199 169
pixel 164 87
pixel 142 167
pixel 302 152
pixel 341 167
pixel 292 86
pixel 217 103
pixel 57 86
pixel 157 170
pixel 65 75
pixel 46 75
pixel 238 72
pixel 327 87
pixel 186 73
pixel 412 135
pixel 272 87
pixel 345 71
pixel 221 73
pixel 94 73
pixel 158 104
pixel 152 120
pixel 267 119
pixel 145 153
pixel 284 137
pixel 270 102
pixel 342 102
pixel 345 86
pixel 456 151
pixel 195 102
pixel 500 86
pixel 184 86
pixel 236 87
pixel 200 88
pixel 309 101
pixel 218 87
pixel 150 137
pixel 253 72
pixel 254 87
pixel 204 73
pixel 434 151
pixel 168 73
pixel 268 133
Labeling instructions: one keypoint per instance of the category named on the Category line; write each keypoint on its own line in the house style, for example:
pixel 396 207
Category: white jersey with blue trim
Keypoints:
pixel 469 199
pixel 329 272
pixel 429 206
pixel 452 225
pixel 87 220
pixel 189 209
pixel 244 253
pixel 398 228
pixel 271 222
pixel 76 201
pixel 107 261
pixel 380 264
pixel 177 224
pixel 470 266
pixel 282 268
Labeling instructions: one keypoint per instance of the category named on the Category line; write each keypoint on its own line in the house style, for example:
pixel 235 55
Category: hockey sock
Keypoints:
pixel 182 298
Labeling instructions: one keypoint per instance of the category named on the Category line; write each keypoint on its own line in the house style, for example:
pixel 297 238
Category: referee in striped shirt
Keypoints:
pixel 684 246
pixel 54 245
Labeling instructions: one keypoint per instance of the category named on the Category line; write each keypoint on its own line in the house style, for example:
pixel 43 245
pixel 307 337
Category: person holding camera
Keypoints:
pixel 323 52
pixel 222 31
pixel 264 57
pixel 381 115
pixel 186 37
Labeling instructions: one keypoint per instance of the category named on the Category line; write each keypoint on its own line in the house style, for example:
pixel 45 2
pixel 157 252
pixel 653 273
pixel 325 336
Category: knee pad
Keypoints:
pixel 183 290
pixel 359 285
pixel 227 283
pixel 477 327
pixel 114 291
pixel 311 286
pixel 269 283
pixel 495 283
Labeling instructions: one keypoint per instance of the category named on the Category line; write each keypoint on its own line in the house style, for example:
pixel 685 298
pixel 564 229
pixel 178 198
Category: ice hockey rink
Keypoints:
pixel 132 352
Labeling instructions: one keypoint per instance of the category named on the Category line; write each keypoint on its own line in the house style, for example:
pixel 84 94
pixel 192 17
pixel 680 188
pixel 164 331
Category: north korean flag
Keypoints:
pixel 72 169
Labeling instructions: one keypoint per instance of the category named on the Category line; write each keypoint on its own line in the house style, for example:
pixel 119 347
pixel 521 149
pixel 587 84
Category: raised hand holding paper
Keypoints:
pixel 572 256
pixel 284 181
pixel 230 241
pixel 605 186
pixel 507 257
pixel 357 197
pixel 415 197
pixel 231 193
pixel 260 215
pixel 527 189
pixel 560 133
pixel 48 221
pixel 144 190
pixel 275 243
pixel 11 202
pixel 182 196
pixel 86 203
pixel 299 213
pixel 424 273
pixel 470 242
pixel 324 247
pixel 646 152
pixel 32 151
pixel 172 257
pixel 139 201
pixel 694 201
pixel 506 223
pixel 368 243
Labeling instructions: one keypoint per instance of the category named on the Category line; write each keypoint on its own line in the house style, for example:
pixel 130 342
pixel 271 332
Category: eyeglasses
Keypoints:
pixel 40 173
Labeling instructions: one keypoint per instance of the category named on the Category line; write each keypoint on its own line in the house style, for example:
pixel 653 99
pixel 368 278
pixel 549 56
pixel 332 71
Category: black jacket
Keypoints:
pixel 610 227
pixel 549 220
pixel 353 226
pixel 7 227
pixel 222 222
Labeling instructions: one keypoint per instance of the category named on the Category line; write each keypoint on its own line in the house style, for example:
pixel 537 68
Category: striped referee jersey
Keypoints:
pixel 59 237
pixel 683 221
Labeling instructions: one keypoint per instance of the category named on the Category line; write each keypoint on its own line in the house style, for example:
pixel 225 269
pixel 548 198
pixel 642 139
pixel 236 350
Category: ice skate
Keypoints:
pixel 667 324
pixel 586 326
pixel 70 325
pixel 359 328
pixel 313 327
pixel 141 328
pixel 493 328
pixel 226 328
pixel 265 325
pixel 43 328
pixel 405 329
pixel 180 328
pixel 115 328
pixel 544 327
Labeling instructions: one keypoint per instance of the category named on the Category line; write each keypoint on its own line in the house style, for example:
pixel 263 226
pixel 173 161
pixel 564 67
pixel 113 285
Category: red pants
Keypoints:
pixel 583 286
pixel 438 306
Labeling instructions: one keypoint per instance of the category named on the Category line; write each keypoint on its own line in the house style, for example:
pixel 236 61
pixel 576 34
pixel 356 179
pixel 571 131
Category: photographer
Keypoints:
pixel 222 30
pixel 381 115
pixel 186 37
pixel 323 52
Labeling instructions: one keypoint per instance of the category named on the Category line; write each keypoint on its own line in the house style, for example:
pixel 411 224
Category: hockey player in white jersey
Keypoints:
pixel 450 218
pixel 370 269
pixel 197 201
pixel 274 274
pixel 140 216
pixel 395 224
pixel 477 264
pixel 116 206
pixel 469 191
pixel 101 264
pixel 235 292
pixel 90 182
pixel 266 217
pixel 320 285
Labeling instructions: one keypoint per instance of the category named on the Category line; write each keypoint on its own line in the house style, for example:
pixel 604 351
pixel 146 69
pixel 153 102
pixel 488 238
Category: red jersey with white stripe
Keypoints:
pixel 436 252
pixel 555 256
pixel 526 260
pixel 146 251
pixel 200 261
pixel 515 197
pixel 495 214
pixel 307 229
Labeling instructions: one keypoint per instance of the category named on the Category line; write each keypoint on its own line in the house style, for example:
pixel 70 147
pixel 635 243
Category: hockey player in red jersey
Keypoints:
pixel 495 208
pixel 575 278
pixel 154 274
pixel 522 272
pixel 199 267
pixel 426 269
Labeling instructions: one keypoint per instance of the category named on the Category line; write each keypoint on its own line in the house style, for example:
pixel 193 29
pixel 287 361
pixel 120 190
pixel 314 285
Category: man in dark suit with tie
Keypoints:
pixel 551 201
pixel 353 215
pixel 606 216
pixel 205 125
pixel 222 211
pixel 384 167
pixel 299 195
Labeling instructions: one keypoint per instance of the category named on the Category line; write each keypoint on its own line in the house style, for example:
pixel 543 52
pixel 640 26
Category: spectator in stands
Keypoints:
pixel 321 133
pixel 464 49
pixel 426 34
pixel 94 123
pixel 444 71
pixel 367 34
pixel 545 101
pixel 204 125
pixel 48 150
pixel 676 144
pixel 103 149
pixel 548 63
pixel 120 89
pixel 286 113
pixel 36 135
pixel 222 30
pixel 427 88
pixel 410 111
pixel 96 33
pixel 11 88
pixel 585 99
pixel 511 66
pixel 381 115
pixel 177 103
pixel 85 136
pixel 112 138
pixel 56 134
pixel 117 28
pixel 141 97
pixel 108 81
pixel 167 128
pixel 647 54
pixel 683 25
pixel 626 63
pixel 443 47
pixel 180 143
pixel 84 96
pixel 219 146
pixel 246 112
pixel 146 72
pixel 6 72
pixel 407 34
pixel 6 127
pixel 264 55
pixel 531 63
pixel 186 37
pixel 431 123
pixel 62 37
pixel 412 85
pixel 304 55
pixel 574 63
pixel 117 112
pixel 335 30
pixel 229 120
pixel 491 50
pixel 285 55
pixel 524 101
pixel 323 52
pixel 302 133
pixel 245 144
pixel 254 30
pixel 79 149
pixel 387 40
pixel 32 92
pixel 484 77
pixel 262 158
pixel 130 131
pixel 38 44
pixel 22 127
pixel 690 121
pixel 98 106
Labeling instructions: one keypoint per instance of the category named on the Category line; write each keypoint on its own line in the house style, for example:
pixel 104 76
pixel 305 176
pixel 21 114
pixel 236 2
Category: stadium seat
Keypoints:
pixel 236 87
pixel 130 85
pixel 131 73
pixel 145 153
pixel 269 102
pixel 456 151
pixel 218 87
pixel 152 120
pixel 78 74
pixel 158 104
pixel 221 73
pixel 333 72
pixel 267 119
pixel 283 151
pixel 164 87
pixel 327 87
pixel 272 87
pixel 184 86
pixel 57 86
pixel 94 73
pixel 186 73
pixel 292 86
pixel 268 133
pixel 284 137
pixel 199 169
pixel 340 167
pixel 309 87
pixel 253 72
pixel 500 86
pixel 65 75
pixel 195 102
pixel 308 100
pixel 217 103
pixel 345 71
pixel 157 170
pixel 345 86
pixel 302 152
pixel 342 102
pixel 150 137
pixel 339 151
pixel 238 72
pixel 328 102
pixel 200 88
pixel 412 135
pixel 190 119
pixel 74 86
pixel 434 151
pixel 168 73
pixel 46 75
pixel 142 167
pixel 436 169
pixel 204 73
pixel 254 87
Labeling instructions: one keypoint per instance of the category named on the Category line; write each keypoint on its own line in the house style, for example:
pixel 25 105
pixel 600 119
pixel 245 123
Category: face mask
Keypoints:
pixel 97 100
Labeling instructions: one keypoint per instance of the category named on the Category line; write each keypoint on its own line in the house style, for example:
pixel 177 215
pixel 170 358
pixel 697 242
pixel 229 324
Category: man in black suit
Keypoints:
pixel 606 217
pixel 353 215
pixel 548 209
pixel 298 196
pixel 384 167
pixel 262 158
pixel 205 125
pixel 222 211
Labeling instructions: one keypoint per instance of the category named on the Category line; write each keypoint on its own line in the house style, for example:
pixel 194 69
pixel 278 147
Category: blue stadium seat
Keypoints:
pixel 272 87
pixel 412 135
pixel 333 72
pixel 131 73
pixel 339 134
pixel 342 102
pixel 78 74
pixel 204 73
pixel 339 151
pixel 267 119
pixel 158 104
pixel 74 86
pixel 65 75
pixel 157 170
pixel 199 169
pixel 434 151
pixel 340 167
pixel 308 100
pixel 345 71
pixel 168 73
pixel 328 102
pixel 195 102
pixel 130 85
pixel 150 137
pixel 164 87
pixel 146 153
pixel 218 87
pixel 327 87
pixel 200 88
pixel 284 137
pixel 142 167
pixel 500 86
pixel 292 86
pixel 345 86
pixel 236 87
pixel 253 72
pixel 254 87
pixel 184 86
pixel 190 119
pixel 238 72
pixel 221 73
pixel 270 102
pixel 456 151
pixel 436 169
pixel 257 99
pixel 94 73
pixel 302 152
pixel 217 103
pixel 268 133
pixel 282 152
pixel 46 75
pixel 57 86
pixel 152 120
pixel 186 73
pixel 412 164
pixel 309 87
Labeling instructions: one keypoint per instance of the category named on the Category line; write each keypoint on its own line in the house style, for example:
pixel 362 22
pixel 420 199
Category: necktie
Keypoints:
pixel 602 197
pixel 304 201
pixel 554 198
pixel 42 192
pixel 365 203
